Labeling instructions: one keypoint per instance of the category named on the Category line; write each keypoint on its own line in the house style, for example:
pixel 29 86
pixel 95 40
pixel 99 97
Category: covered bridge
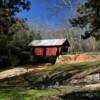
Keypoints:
pixel 49 47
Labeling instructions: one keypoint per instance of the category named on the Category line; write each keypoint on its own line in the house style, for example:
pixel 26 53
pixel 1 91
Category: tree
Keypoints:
pixel 8 10
pixel 15 51
pixel 19 49
pixel 88 18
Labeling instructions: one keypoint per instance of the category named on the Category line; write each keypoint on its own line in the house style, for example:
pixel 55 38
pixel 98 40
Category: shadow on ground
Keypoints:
pixel 84 95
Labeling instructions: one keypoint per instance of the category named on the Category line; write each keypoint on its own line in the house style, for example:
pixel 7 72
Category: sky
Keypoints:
pixel 44 12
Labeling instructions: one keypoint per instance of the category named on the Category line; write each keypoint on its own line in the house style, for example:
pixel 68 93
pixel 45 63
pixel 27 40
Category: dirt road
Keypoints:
pixel 19 71
pixel 62 59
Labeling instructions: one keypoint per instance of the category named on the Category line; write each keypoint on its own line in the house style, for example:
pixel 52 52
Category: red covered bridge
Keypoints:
pixel 49 47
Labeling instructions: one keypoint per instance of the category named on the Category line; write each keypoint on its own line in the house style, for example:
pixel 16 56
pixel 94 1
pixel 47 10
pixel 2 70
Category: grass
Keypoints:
pixel 55 73
pixel 60 68
pixel 37 94
pixel 33 94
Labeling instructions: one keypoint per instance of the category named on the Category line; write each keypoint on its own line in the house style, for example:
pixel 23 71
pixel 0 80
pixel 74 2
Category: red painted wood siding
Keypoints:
pixel 51 51
pixel 38 51
pixel 48 51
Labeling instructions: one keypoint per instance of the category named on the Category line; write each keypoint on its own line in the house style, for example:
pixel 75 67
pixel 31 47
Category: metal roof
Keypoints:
pixel 47 42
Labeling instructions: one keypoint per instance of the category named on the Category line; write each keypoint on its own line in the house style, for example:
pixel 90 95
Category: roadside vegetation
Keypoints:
pixel 43 84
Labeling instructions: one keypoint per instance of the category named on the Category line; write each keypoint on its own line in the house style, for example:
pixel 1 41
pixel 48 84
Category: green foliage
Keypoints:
pixel 14 33
pixel 15 6
pixel 14 60
pixel 14 49
pixel 88 18
pixel 19 43
pixel 8 10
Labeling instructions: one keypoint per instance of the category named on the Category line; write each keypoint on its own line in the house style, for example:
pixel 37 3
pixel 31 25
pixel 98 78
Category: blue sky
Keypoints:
pixel 41 12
